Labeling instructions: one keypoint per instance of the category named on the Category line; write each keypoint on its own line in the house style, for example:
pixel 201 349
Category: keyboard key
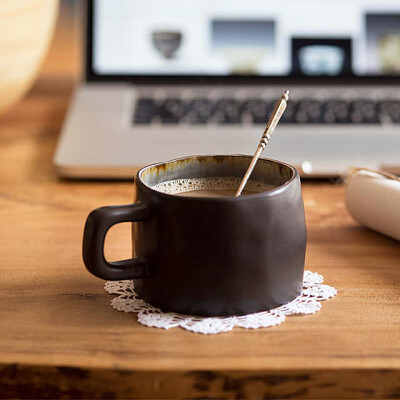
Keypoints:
pixel 199 111
pixel 308 112
pixel 259 110
pixel 228 111
pixel 171 111
pixel 364 111
pixel 288 116
pixel 390 109
pixel 145 111
pixel 336 111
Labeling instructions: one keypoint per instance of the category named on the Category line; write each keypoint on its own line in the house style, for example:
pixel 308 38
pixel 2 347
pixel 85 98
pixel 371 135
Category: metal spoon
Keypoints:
pixel 277 113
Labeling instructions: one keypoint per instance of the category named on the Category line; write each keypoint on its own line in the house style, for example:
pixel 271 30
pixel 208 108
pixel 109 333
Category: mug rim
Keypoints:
pixel 268 193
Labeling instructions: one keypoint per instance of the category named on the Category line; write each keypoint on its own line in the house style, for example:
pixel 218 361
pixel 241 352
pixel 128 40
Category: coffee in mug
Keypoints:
pixel 210 187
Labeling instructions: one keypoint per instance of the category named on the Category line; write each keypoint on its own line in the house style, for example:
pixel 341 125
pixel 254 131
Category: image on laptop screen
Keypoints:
pixel 220 38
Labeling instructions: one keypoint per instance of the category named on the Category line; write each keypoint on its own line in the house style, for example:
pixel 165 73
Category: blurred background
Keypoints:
pixel 340 60
pixel 64 56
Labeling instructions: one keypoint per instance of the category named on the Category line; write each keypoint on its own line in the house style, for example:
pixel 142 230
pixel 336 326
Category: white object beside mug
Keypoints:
pixel 373 200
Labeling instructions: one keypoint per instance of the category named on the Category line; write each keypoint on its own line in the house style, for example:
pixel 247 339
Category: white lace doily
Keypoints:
pixel 308 302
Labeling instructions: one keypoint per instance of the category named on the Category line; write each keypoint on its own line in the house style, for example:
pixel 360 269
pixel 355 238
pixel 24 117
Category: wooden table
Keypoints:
pixel 60 337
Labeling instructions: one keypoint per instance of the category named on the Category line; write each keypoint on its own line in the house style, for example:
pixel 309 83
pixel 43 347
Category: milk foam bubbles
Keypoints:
pixel 210 183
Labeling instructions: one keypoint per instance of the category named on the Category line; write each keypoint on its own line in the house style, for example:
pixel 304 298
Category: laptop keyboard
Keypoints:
pixel 257 111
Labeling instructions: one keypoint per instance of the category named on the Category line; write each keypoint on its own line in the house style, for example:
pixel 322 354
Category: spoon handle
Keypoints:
pixel 276 115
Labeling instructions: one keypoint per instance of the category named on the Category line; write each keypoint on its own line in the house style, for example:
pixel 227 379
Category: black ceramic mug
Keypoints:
pixel 208 256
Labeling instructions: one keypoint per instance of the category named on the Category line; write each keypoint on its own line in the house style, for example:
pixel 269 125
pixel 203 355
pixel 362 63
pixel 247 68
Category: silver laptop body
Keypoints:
pixel 174 100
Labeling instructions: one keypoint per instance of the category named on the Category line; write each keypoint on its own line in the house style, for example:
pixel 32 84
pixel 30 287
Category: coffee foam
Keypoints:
pixel 216 183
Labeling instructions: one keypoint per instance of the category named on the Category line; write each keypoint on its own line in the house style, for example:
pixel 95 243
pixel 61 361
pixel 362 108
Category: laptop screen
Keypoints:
pixel 309 38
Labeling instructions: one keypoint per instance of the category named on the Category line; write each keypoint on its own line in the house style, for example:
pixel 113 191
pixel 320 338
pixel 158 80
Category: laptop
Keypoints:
pixel 167 79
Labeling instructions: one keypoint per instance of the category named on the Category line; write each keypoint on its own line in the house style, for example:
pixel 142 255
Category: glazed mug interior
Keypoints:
pixel 266 171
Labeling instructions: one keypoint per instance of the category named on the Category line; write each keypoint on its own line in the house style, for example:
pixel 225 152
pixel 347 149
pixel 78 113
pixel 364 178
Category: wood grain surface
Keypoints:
pixel 59 337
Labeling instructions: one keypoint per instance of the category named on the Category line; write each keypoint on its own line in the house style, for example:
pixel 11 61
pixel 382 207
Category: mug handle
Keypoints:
pixel 98 223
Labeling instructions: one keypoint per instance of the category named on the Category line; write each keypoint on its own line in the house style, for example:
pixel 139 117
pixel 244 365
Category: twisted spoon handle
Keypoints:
pixel 277 113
